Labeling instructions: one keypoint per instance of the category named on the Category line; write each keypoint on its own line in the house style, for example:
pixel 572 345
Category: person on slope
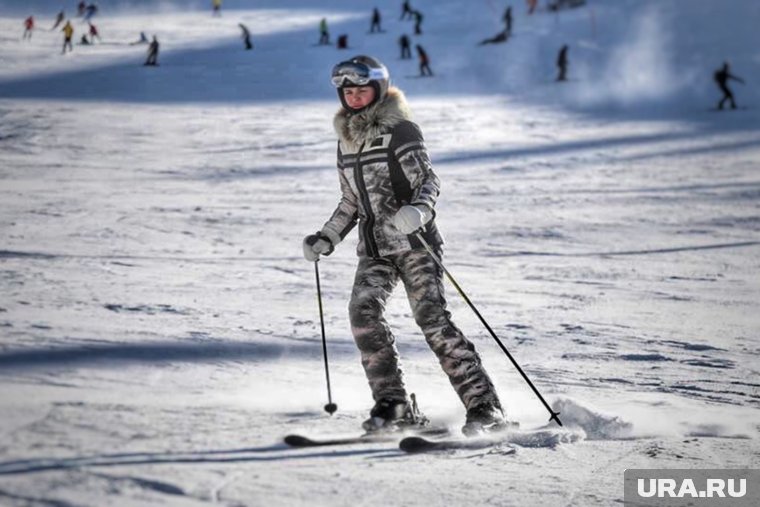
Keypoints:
pixel 406 44
pixel 68 32
pixel 424 61
pixel 246 35
pixel 152 59
pixel 28 28
pixel 58 20
pixel 721 77
pixel 324 34
pixel 376 20
pixel 562 64
pixel 94 34
pixel 507 18
pixel 389 188
pixel 406 11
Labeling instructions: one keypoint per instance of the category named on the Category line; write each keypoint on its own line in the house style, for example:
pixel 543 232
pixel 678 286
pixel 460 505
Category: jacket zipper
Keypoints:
pixel 369 238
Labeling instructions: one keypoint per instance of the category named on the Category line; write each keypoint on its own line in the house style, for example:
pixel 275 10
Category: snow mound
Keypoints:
pixel 597 426
pixel 546 437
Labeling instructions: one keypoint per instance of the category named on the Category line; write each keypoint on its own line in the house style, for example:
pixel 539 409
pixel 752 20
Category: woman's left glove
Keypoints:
pixel 410 218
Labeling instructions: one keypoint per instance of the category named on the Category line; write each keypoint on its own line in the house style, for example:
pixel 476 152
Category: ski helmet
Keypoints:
pixel 361 70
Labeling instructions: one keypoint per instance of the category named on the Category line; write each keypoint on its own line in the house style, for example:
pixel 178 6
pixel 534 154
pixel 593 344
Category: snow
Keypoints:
pixel 159 326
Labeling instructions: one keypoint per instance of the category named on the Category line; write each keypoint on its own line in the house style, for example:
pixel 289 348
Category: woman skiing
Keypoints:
pixel 388 186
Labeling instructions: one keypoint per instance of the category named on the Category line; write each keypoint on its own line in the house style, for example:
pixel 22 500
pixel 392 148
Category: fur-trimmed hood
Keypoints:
pixel 379 118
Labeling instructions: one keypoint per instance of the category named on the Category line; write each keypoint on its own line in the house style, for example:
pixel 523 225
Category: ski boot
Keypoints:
pixel 394 415
pixel 485 419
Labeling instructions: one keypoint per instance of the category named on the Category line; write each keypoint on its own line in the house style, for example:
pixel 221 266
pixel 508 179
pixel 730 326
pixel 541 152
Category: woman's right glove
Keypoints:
pixel 315 245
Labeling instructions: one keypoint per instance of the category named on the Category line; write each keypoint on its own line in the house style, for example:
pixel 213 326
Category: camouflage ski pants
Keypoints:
pixel 423 281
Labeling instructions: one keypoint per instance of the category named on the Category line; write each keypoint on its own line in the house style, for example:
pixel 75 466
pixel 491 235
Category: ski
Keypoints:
pixel 541 437
pixel 296 440
pixel 417 444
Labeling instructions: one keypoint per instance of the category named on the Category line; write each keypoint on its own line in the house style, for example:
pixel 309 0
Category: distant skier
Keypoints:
pixel 216 6
pixel 390 201
pixel 508 19
pixel 562 63
pixel 28 28
pixel 84 41
pixel 375 27
pixel 90 11
pixel 142 40
pixel 58 20
pixel 406 44
pixel 94 34
pixel 532 4
pixel 342 42
pixel 406 11
pixel 721 77
pixel 81 7
pixel 246 35
pixel 324 34
pixel 417 22
pixel 68 32
pixel 152 53
pixel 424 62
pixel 496 39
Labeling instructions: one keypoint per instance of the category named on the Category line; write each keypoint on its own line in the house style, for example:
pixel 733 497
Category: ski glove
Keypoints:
pixel 315 245
pixel 410 218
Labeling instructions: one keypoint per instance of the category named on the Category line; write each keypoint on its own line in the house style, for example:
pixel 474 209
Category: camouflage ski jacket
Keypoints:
pixel 382 165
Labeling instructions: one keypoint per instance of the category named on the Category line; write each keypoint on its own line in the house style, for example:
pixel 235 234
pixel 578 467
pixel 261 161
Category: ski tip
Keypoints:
pixel 414 444
pixel 297 441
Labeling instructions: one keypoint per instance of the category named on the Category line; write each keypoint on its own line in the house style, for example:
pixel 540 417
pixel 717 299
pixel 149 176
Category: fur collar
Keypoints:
pixel 380 118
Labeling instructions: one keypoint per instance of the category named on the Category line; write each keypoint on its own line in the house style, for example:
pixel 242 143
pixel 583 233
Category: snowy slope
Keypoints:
pixel 159 328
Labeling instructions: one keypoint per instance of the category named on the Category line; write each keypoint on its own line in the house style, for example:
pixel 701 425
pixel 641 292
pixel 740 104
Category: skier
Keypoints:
pixel 246 36
pixel 562 63
pixel 28 28
pixel 324 34
pixel 389 187
pixel 406 10
pixel 406 51
pixel 216 7
pixel 152 53
pixel 94 34
pixel 58 20
pixel 90 11
pixel 508 19
pixel 424 62
pixel 417 22
pixel 375 21
pixel 84 41
pixel 532 4
pixel 721 77
pixel 342 42
pixel 81 6
pixel 68 32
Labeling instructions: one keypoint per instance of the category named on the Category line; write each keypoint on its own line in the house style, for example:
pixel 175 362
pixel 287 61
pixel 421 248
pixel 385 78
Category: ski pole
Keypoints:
pixel 554 415
pixel 331 407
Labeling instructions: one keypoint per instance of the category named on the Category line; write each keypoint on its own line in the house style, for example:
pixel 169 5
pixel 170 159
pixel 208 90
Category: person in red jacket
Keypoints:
pixel 94 33
pixel 424 62
pixel 28 27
